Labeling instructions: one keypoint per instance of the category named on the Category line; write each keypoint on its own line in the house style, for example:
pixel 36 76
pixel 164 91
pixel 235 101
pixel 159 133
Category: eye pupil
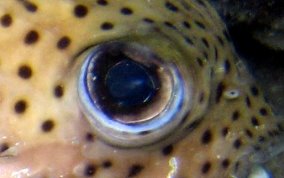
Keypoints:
pixel 130 84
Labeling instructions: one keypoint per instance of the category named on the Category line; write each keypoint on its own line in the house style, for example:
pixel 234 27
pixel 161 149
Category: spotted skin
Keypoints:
pixel 44 132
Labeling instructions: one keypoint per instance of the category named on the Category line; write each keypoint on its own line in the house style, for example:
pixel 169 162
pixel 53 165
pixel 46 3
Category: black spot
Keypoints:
pixel 263 112
pixel 206 167
pixel 237 143
pixel 236 115
pixel 200 24
pixel 193 125
pixel 227 66
pixel 126 11
pixel 20 106
pixel 107 26
pixel 134 170
pixel 206 137
pixel 148 20
pixel 249 133
pixel 254 91
pixel 80 11
pixel 186 24
pixel 90 170
pixel 225 131
pixel 205 54
pixel 107 164
pixel 47 125
pixel 4 147
pixel 6 20
pixel 63 42
pixel 102 2
pixel 185 117
pixel 89 137
pixel 30 7
pixel 171 7
pixel 170 25
pixel 200 62
pixel 200 2
pixel 254 121
pixel 205 42
pixel 225 163
pixel 167 150
pixel 31 37
pixel 188 40
pixel 58 91
pixel 25 72
pixel 220 39
pixel 216 53
pixel 248 102
pixel 219 91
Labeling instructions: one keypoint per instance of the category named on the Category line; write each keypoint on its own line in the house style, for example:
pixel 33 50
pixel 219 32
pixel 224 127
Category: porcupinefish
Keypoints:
pixel 125 88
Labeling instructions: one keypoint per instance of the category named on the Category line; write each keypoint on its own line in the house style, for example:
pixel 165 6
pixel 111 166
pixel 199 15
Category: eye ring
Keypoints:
pixel 144 132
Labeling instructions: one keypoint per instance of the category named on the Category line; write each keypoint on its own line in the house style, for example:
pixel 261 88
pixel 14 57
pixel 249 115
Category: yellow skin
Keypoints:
pixel 229 127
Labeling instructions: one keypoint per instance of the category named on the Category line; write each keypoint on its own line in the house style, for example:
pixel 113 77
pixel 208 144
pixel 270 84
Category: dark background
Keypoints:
pixel 257 30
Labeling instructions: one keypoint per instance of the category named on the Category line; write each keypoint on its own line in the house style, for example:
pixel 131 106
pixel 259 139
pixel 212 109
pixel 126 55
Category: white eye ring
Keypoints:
pixel 138 134
pixel 232 94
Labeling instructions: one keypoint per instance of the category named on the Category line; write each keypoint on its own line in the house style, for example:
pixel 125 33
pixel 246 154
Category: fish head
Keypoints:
pixel 124 89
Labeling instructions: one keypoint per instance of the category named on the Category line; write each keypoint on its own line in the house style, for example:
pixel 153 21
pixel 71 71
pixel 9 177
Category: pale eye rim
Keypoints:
pixel 133 132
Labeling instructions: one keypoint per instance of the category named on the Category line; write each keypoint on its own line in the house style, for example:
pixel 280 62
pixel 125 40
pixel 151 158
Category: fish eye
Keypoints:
pixel 130 95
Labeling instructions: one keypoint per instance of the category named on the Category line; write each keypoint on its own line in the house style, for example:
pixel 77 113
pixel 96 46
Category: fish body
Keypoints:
pixel 44 131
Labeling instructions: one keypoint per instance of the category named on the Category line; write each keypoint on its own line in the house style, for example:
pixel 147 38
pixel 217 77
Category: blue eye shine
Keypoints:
pixel 130 96
pixel 130 84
